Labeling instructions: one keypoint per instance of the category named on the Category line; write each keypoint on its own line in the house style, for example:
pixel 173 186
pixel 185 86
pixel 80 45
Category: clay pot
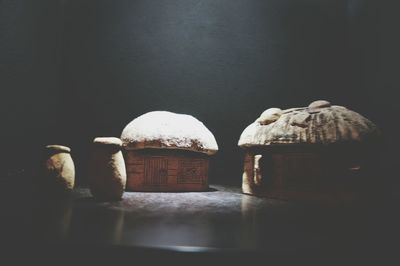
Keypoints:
pixel 107 173
pixel 59 170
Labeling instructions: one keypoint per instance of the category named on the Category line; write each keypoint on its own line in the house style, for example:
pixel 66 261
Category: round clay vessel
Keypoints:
pixel 59 170
pixel 107 173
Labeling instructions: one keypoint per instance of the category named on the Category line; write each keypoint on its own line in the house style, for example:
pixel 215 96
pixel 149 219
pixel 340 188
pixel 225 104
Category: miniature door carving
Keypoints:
pixel 155 171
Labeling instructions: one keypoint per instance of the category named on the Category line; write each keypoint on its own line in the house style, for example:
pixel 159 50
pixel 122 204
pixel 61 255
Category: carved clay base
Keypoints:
pixel 166 170
pixel 304 176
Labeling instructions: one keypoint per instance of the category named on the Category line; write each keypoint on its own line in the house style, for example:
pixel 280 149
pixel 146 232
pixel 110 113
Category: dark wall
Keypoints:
pixel 30 58
pixel 223 61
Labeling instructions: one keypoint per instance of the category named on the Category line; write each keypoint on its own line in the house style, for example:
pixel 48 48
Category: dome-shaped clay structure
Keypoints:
pixel 319 123
pixel 167 130
pixel 167 152
pixel 320 153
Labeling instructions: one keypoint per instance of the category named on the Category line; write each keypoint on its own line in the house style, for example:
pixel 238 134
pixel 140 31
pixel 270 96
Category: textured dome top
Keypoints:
pixel 166 130
pixel 319 123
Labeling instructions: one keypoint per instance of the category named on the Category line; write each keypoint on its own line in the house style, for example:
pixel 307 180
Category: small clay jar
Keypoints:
pixel 107 173
pixel 59 171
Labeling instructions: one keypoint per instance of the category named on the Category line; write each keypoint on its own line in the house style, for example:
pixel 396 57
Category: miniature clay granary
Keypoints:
pixel 320 153
pixel 167 152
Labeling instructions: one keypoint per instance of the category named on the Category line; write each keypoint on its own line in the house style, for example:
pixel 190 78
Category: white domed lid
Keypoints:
pixel 167 130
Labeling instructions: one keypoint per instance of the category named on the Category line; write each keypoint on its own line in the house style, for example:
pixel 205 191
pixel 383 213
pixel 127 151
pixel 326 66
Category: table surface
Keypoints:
pixel 221 220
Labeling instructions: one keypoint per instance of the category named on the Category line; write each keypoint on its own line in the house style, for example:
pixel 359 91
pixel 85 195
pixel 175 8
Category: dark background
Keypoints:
pixel 71 70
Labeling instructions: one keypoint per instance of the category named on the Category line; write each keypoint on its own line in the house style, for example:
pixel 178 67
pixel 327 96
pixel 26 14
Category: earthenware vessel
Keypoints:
pixel 107 173
pixel 58 170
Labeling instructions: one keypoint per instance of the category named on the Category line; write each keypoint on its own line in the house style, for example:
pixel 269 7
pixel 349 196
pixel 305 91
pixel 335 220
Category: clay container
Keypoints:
pixel 166 151
pixel 320 153
pixel 107 174
pixel 59 170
